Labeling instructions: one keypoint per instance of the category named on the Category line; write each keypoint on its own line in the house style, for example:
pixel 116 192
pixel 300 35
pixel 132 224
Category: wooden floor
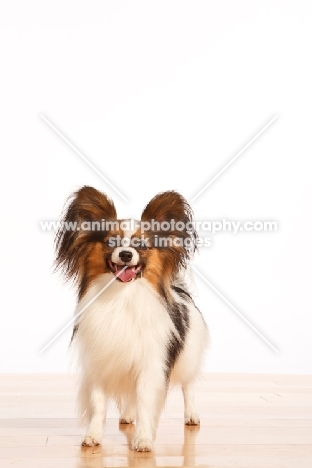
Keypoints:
pixel 247 421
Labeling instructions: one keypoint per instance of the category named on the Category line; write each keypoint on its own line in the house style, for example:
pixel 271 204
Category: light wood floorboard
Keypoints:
pixel 247 421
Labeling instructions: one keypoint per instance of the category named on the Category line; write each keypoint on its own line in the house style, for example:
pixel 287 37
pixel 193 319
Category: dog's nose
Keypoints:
pixel 125 256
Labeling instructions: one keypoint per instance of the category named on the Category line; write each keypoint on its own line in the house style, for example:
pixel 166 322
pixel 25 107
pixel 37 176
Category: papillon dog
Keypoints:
pixel 137 329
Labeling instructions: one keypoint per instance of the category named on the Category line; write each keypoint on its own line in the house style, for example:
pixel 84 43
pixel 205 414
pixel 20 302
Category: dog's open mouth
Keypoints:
pixel 124 275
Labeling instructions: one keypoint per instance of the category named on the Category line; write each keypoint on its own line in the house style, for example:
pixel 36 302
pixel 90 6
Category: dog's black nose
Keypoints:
pixel 125 256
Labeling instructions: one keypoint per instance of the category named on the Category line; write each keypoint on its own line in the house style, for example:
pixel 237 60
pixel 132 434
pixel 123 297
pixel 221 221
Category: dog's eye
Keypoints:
pixel 139 243
pixel 142 245
pixel 111 242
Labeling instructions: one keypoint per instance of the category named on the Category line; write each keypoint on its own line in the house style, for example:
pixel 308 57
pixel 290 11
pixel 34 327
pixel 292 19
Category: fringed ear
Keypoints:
pixel 173 217
pixel 86 206
pixel 166 206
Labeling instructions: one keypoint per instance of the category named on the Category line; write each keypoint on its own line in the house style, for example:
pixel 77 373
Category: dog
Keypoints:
pixel 137 329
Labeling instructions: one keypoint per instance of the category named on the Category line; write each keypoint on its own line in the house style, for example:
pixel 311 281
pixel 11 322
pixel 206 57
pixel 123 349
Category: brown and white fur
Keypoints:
pixel 143 332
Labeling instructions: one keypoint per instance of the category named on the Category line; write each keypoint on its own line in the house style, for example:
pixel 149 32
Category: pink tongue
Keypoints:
pixel 126 275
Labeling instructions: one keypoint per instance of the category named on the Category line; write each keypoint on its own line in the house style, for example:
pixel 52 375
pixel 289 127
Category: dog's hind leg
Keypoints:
pixel 191 418
pixel 98 406
pixel 128 413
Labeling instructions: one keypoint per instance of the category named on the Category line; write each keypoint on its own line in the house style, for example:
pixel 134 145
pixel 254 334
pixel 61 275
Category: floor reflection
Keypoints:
pixel 136 459
pixel 92 457
pixel 120 454
pixel 189 445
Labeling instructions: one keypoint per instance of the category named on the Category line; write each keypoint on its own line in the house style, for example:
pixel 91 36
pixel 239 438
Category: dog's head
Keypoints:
pixel 92 240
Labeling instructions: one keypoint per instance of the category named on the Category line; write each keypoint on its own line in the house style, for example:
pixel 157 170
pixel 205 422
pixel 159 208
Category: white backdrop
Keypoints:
pixel 161 96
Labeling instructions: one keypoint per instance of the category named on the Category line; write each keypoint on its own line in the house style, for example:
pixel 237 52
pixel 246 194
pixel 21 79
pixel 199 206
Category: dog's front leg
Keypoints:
pixel 151 393
pixel 97 411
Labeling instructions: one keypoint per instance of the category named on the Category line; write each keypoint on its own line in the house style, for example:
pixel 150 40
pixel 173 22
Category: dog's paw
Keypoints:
pixel 90 441
pixel 126 420
pixel 192 419
pixel 142 445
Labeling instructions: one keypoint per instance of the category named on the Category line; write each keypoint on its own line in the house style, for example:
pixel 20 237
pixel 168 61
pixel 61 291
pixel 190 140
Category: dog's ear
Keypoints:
pixel 167 206
pixel 88 204
pixel 73 238
pixel 173 218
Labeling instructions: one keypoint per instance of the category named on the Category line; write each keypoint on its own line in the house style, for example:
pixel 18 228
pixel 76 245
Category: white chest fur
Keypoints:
pixel 123 330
